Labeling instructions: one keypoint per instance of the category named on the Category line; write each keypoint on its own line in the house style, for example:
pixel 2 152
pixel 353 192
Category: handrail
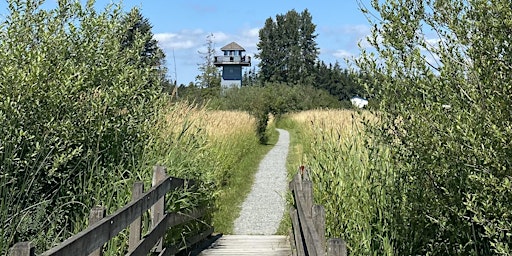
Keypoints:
pixel 91 240
pixel 308 221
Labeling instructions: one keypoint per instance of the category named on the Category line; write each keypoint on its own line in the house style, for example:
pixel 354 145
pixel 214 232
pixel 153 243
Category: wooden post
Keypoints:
pixel 297 233
pixel 97 213
pixel 307 192
pixel 135 227
pixel 22 249
pixel 157 210
pixel 336 247
pixel 318 215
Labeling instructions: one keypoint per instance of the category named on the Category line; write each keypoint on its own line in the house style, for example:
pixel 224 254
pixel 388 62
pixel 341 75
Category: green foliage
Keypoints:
pixel 275 99
pixel 452 193
pixel 139 28
pixel 287 48
pixel 339 82
pixel 77 108
pixel 349 179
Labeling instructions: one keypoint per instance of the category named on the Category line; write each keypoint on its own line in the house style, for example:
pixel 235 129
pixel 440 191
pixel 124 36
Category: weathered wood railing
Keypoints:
pixel 308 222
pixel 101 229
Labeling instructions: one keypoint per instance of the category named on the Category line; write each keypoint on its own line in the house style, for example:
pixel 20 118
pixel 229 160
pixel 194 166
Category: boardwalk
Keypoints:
pixel 250 245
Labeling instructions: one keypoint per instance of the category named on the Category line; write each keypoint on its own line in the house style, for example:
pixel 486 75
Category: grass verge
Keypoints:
pixel 238 186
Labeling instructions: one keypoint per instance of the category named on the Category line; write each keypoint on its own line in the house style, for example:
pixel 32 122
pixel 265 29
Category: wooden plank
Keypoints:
pixel 311 237
pixel 318 217
pixel 249 245
pixel 98 234
pixel 188 243
pixel 336 247
pixel 307 196
pixel 136 225
pixel 158 209
pixel 22 249
pixel 97 213
pixel 298 237
pixel 169 220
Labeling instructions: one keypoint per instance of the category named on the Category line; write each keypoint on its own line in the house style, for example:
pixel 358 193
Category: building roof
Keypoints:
pixel 232 47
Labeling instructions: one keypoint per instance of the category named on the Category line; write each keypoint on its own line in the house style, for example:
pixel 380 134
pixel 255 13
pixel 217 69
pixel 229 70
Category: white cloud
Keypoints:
pixel 358 30
pixel 184 39
pixel 342 54
pixel 219 37
pixel 252 32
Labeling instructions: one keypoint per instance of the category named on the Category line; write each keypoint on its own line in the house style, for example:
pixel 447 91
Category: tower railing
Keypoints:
pixel 232 59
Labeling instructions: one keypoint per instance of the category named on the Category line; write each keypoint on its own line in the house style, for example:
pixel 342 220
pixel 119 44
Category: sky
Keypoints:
pixel 182 26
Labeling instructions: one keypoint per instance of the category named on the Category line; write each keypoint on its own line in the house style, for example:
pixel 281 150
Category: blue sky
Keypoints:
pixel 181 27
pixel 184 25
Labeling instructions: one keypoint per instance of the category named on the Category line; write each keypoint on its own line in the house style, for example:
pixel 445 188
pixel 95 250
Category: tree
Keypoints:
pixel 210 75
pixel 441 71
pixel 139 28
pixel 339 82
pixel 287 48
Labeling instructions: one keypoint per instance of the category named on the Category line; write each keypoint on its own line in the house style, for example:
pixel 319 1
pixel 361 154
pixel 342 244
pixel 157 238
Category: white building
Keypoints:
pixel 359 102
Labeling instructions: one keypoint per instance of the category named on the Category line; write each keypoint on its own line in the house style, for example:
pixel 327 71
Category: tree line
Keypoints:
pixel 289 53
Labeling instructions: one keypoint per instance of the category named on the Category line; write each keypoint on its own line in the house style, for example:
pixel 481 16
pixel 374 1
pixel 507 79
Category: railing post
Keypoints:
pixel 318 215
pixel 135 227
pixel 22 249
pixel 336 247
pixel 96 214
pixel 297 234
pixel 307 192
pixel 157 210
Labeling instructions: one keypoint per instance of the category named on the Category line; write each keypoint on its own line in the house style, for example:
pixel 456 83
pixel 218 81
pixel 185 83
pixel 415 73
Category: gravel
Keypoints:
pixel 263 208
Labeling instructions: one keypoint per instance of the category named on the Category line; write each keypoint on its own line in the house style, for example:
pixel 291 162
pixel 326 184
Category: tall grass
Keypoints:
pixel 230 157
pixel 192 142
pixel 350 179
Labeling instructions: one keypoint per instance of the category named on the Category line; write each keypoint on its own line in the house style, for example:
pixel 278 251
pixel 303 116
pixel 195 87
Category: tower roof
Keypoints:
pixel 232 47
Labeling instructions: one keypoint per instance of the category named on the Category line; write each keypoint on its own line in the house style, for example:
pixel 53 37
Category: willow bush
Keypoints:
pixel 75 108
pixel 441 73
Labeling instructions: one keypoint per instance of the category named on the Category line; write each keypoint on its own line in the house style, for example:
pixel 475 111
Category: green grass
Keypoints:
pixel 293 161
pixel 351 187
pixel 234 192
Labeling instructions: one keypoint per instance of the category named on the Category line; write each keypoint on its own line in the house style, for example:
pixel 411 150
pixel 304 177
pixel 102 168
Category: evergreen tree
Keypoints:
pixel 337 81
pixel 309 50
pixel 287 48
pixel 267 46
pixel 139 28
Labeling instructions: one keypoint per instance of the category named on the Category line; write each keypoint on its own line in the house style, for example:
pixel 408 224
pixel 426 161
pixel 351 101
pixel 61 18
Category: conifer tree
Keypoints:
pixel 287 48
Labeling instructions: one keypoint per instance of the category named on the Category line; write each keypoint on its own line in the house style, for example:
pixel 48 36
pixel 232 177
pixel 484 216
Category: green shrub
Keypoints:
pixel 74 109
pixel 276 99
pixel 445 108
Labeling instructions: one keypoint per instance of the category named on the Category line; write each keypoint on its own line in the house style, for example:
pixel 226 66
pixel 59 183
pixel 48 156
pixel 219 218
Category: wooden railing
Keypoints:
pixel 101 229
pixel 308 222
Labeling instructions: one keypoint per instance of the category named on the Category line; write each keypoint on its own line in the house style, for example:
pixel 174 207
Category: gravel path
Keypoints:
pixel 263 208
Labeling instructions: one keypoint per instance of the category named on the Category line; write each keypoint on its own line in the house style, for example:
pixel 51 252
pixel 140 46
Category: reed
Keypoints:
pixel 351 176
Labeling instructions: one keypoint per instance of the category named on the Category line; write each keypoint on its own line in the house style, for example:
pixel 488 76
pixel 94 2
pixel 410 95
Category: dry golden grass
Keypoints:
pixel 343 121
pixel 222 124
pixel 216 124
